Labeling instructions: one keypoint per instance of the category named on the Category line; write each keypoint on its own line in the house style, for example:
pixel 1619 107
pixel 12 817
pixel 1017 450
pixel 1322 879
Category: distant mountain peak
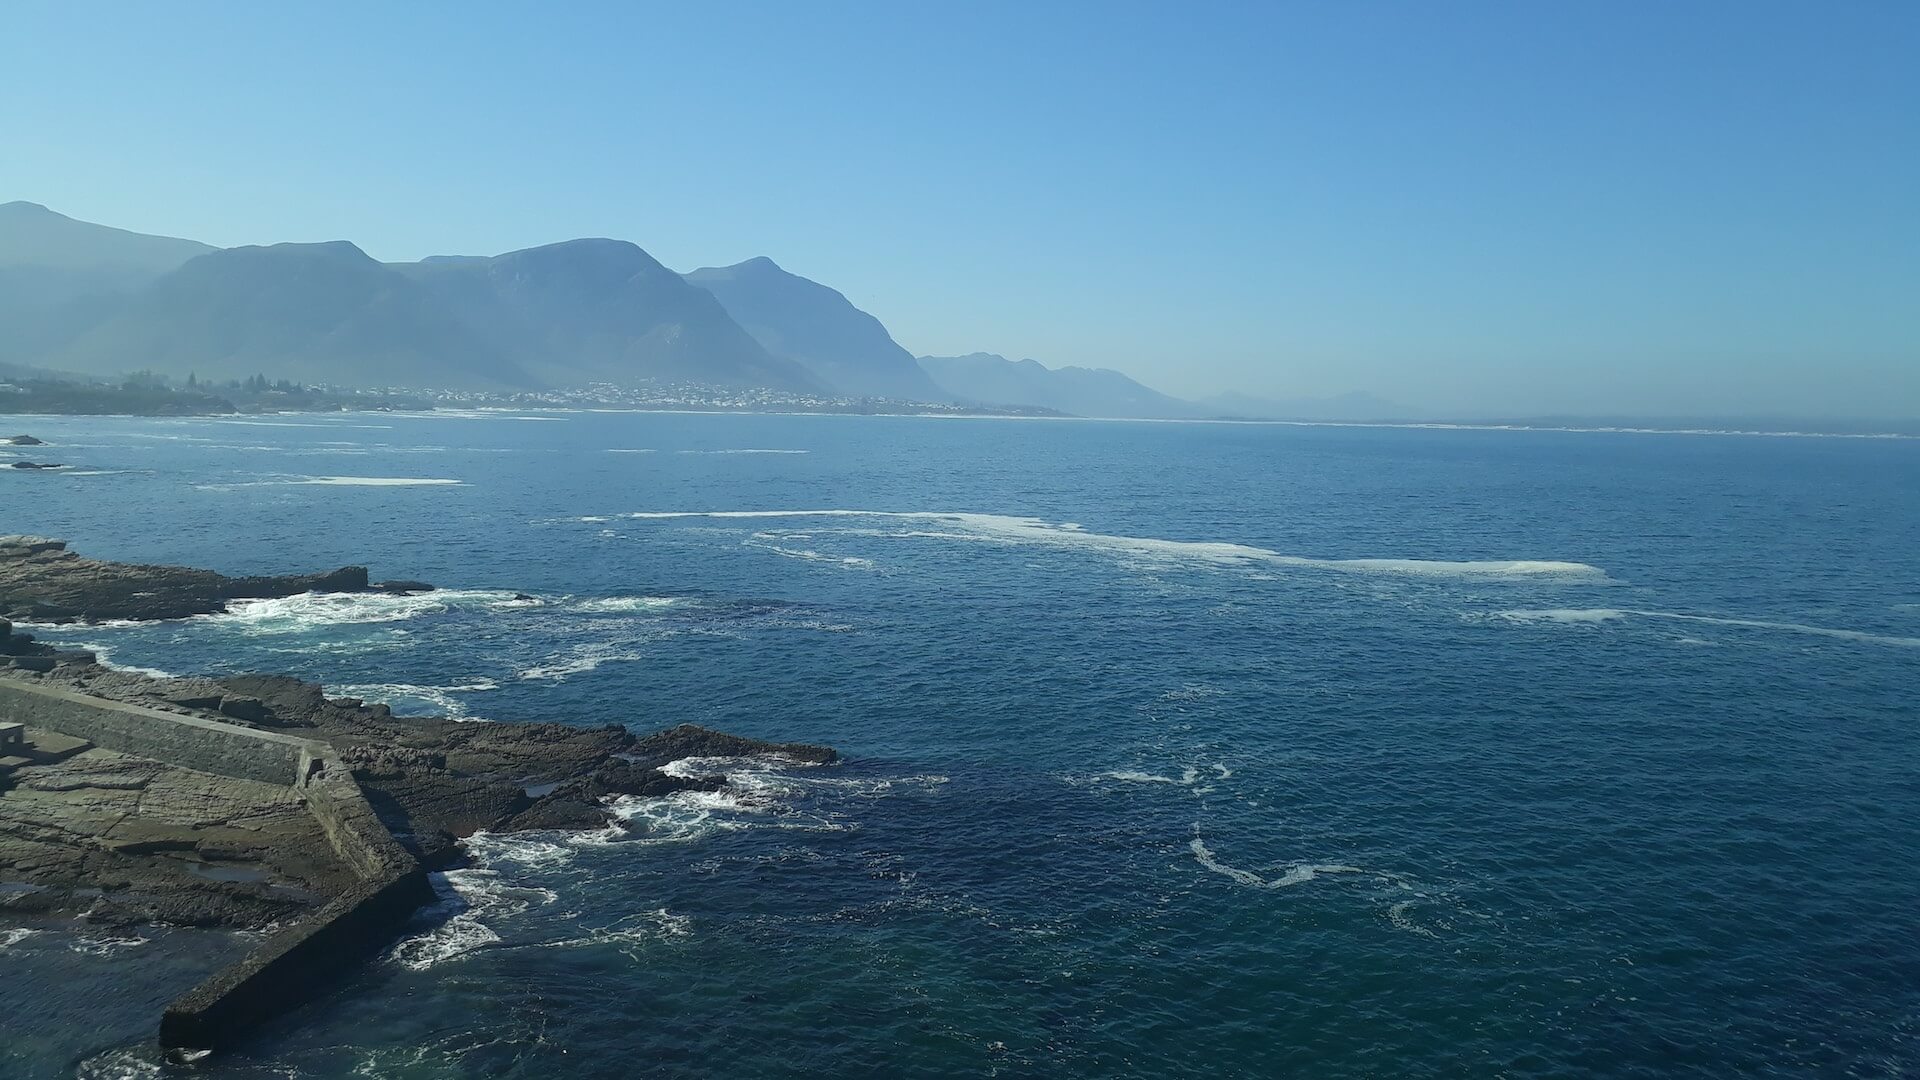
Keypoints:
pixel 337 249
pixel 817 327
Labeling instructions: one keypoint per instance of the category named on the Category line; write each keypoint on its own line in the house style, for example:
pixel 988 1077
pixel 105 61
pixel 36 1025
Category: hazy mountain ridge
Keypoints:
pixel 584 311
pixel 991 379
pixel 817 327
pixel 95 300
pixel 322 312
pixel 59 276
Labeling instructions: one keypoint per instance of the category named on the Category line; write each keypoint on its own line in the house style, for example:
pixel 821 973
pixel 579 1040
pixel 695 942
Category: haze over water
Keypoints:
pixel 1171 749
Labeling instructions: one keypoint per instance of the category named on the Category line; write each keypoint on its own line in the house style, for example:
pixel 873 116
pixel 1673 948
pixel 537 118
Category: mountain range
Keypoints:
pixel 87 299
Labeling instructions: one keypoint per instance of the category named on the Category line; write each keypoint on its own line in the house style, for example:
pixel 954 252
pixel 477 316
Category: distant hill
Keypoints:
pixel 989 379
pixel 310 312
pixel 59 276
pixel 1344 407
pixel 586 311
pixel 32 235
pixel 817 327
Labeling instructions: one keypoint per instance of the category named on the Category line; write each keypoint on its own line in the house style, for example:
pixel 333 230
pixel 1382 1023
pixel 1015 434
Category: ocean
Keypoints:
pixel 1188 750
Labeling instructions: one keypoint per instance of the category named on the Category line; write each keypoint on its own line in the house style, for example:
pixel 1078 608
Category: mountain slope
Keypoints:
pixel 32 235
pixel 817 327
pixel 311 312
pixel 989 379
pixel 586 311
pixel 59 276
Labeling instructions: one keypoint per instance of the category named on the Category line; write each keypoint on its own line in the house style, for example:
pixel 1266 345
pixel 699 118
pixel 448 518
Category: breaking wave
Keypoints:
pixel 306 611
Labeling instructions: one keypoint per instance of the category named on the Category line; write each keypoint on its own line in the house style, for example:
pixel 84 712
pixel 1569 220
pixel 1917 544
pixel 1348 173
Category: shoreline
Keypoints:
pixel 467 411
pixel 257 802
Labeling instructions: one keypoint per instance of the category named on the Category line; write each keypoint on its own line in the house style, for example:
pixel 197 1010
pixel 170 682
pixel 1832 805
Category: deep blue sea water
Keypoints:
pixel 1171 749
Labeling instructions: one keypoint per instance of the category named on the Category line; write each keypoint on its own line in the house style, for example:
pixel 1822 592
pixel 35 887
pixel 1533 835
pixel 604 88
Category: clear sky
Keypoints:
pixel 1694 207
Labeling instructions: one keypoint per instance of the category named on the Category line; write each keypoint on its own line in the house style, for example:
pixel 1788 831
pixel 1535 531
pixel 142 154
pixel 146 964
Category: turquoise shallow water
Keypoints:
pixel 1172 749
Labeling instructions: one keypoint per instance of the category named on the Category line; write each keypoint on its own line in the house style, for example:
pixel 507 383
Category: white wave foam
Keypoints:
pixel 581 659
pixel 10 938
pixel 1297 874
pixel 616 604
pixel 1594 615
pixel 378 481
pixel 746 451
pixel 518 849
pixel 105 945
pixel 1398 917
pixel 815 556
pixel 404 698
pixel 126 1063
pixel 627 934
pixel 612 451
pixel 1564 615
pixel 475 896
pixel 1132 776
pixel 1189 777
pixel 681 817
pixel 305 611
pixel 1035 531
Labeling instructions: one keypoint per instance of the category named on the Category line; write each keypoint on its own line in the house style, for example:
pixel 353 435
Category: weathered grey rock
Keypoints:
pixel 23 440
pixel 252 710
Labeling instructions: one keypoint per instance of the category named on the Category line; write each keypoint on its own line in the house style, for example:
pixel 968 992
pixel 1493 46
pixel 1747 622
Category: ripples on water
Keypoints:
pixel 1171 749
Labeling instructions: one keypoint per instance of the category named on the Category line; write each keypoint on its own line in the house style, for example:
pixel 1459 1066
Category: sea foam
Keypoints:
pixel 1036 531
pixel 1600 615
pixel 1297 874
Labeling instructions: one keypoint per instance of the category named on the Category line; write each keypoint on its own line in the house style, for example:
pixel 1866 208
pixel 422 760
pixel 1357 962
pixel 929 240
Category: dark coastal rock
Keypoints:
pixel 40 579
pixel 690 740
pixel 431 780
pixel 39 465
pixel 401 587
pixel 252 710
pixel 23 440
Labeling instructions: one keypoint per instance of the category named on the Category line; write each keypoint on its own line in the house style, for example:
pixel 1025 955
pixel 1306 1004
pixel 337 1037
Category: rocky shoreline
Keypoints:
pixel 42 581
pixel 109 837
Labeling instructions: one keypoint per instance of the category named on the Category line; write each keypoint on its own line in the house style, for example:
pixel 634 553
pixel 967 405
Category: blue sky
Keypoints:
pixel 1473 208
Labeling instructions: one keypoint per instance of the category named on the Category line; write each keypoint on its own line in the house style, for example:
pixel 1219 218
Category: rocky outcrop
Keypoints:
pixel 22 440
pixel 41 580
pixel 433 781
pixel 256 801
pixel 38 465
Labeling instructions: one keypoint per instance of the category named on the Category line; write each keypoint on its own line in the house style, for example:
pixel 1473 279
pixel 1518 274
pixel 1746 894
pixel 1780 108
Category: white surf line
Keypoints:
pixel 1600 615
pixel 1070 534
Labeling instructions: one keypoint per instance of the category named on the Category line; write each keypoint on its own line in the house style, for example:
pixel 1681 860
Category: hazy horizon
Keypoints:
pixel 1483 212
